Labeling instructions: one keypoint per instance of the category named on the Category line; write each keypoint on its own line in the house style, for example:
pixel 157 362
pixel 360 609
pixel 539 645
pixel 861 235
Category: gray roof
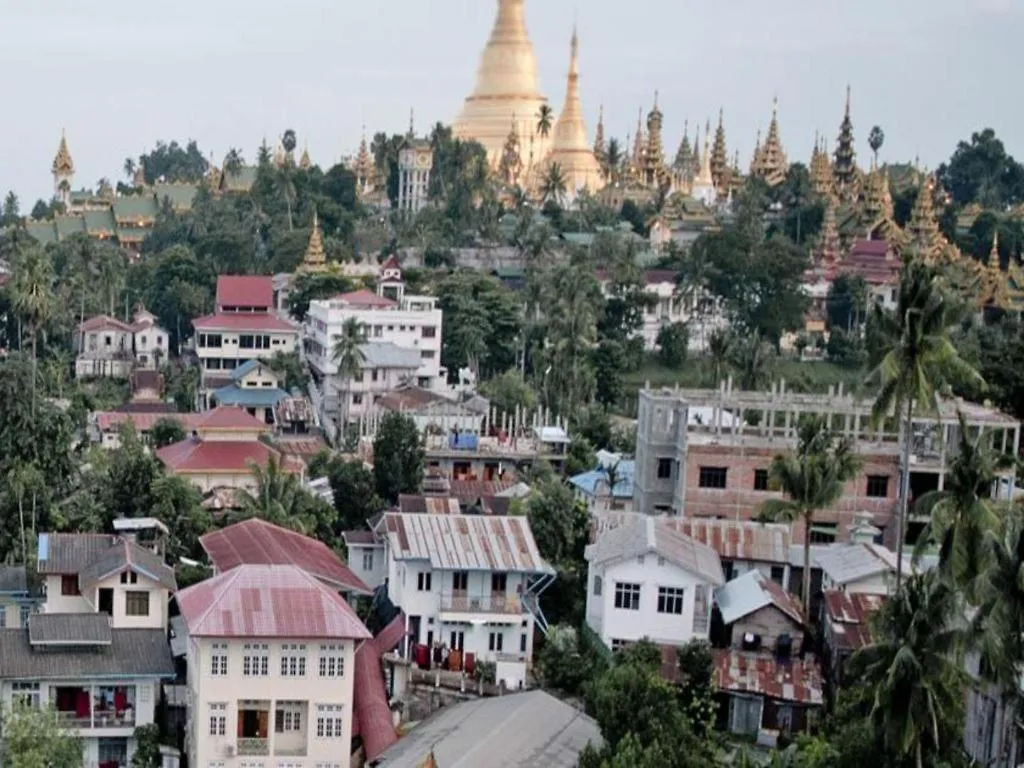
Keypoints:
pixel 520 730
pixel 179 636
pixel 384 354
pixel 131 653
pixel 845 563
pixel 69 629
pixel 13 579
pixel 651 534
pixel 95 557
pixel 750 593
pixel 71 552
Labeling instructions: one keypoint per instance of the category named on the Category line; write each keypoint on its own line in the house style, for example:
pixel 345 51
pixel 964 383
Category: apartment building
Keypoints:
pixel 470 583
pixel 270 657
pixel 98 651
pixel 706 453
pixel 244 327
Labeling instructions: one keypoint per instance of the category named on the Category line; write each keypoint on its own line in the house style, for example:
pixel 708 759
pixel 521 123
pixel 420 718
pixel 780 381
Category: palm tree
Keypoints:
pixel 812 478
pixel 753 358
pixel 720 345
pixel 961 517
pixel 545 119
pixel 915 360
pixel 233 162
pixel 289 141
pixel 612 160
pixel 278 497
pixel 913 669
pixel 553 188
pixel 875 140
pixel 129 169
pixel 32 297
pixel 349 358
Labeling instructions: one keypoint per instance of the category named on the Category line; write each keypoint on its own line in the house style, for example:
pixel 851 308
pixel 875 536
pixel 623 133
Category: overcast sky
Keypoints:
pixel 120 74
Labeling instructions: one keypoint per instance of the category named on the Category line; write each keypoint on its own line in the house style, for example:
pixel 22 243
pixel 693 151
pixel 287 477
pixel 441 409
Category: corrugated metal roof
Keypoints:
pixel 385 354
pixel 847 615
pixel 796 680
pixel 69 629
pixel 596 480
pixel 845 563
pixel 412 504
pixel 465 542
pixel 645 533
pixel 131 653
pixel 371 716
pixel 751 592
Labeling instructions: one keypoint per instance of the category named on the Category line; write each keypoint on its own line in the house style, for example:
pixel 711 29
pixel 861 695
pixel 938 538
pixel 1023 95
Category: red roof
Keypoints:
pixel 268 601
pixel 848 614
pixel 870 248
pixel 371 715
pixel 242 321
pixel 365 298
pixel 257 542
pixel 245 291
pixel 230 456
pixel 103 323
pixel 796 680
pixel 391 263
pixel 228 417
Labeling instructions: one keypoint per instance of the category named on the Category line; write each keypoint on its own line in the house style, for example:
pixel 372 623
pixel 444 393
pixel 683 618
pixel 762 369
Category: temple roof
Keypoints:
pixel 63 165
pixel 770 162
pixel 570 148
pixel 315 259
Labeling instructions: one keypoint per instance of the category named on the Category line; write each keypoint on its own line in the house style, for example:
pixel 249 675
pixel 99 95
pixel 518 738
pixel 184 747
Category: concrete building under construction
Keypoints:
pixel 706 453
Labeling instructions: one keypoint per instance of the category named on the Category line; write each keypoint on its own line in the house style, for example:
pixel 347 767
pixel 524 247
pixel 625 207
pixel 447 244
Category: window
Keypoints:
pixel 378 331
pixel 256 661
pixel 218 719
pixel 423 581
pixel 823 533
pixel 664 469
pixel 287 717
pixel 250 341
pixel 495 641
pixel 458 640
pixel 293 660
pixel 627 596
pixel 429 332
pixel 778 574
pixel 69 585
pixel 712 477
pixel 219 660
pixel 367 561
pixel 878 486
pixel 499 582
pixel 107 341
pixel 460 581
pixel 332 661
pixel 358 377
pixel 374 375
pixel 25 694
pixel 3 617
pixel 700 608
pixel 210 340
pixel 142 341
pixel 670 600
pixel 522 643
pixel 328 721
pixel 427 354
pixel 597 586
pixel 618 645
pixel 357 399
pixel 129 577
pixel 136 603
pixel 760 479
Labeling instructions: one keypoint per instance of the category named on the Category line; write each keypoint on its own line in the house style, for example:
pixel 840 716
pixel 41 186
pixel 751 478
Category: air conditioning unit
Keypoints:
pixel 229 750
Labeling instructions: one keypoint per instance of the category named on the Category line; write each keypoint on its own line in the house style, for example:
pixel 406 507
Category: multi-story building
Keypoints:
pixel 105 346
pixel 98 651
pixel 706 453
pixel 470 583
pixel 244 327
pixel 645 579
pixel 270 655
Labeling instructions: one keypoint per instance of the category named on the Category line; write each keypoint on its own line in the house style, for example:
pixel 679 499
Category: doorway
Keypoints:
pixel 106 603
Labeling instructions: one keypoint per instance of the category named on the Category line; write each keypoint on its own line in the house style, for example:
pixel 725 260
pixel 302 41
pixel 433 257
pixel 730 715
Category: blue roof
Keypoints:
pixel 250 397
pixel 587 482
pixel 246 368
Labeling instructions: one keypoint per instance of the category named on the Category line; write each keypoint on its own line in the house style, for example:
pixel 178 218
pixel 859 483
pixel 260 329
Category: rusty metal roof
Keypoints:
pixel 412 504
pixel 796 680
pixel 847 616
pixel 465 542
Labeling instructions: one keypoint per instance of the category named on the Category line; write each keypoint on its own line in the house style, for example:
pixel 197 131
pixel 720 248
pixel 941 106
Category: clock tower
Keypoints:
pixel 415 160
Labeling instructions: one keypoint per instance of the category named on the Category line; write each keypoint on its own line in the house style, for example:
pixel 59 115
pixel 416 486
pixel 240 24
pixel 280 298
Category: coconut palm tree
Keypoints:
pixel 875 140
pixel 812 478
pixel 753 358
pixel 962 516
pixel 553 187
pixel 289 141
pixel 612 160
pixel 914 361
pixel 349 358
pixel 545 120
pixel 33 299
pixel 129 169
pixel 720 345
pixel 279 497
pixel 912 666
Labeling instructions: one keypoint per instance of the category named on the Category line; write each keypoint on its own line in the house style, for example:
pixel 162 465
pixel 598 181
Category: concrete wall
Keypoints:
pixel 89 603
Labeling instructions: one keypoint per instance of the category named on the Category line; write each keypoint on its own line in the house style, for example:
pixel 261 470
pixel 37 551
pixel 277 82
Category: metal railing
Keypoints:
pixel 462 602
pixel 253 747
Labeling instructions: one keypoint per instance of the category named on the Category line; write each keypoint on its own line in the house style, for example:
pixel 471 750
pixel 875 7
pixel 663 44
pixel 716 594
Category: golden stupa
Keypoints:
pixel 570 148
pixel 506 86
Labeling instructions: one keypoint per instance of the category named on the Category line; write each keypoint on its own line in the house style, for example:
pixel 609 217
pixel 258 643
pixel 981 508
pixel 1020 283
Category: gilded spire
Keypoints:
pixel 844 168
pixel 757 152
pixel 212 175
pixel 639 140
pixel 703 187
pixel 570 147
pixel 364 167
pixel 280 155
pixel 304 162
pixel 683 163
pixel 829 249
pixel 719 154
pixel 820 168
pixel 993 254
pixel 923 227
pixel 315 259
pixel 654 154
pixel 412 124
pixel 771 164
pixel 63 165
pixel 696 153
pixel 600 148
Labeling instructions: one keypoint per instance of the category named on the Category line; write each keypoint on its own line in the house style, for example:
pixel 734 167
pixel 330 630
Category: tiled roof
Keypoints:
pixel 95 556
pixel 245 291
pixel 795 680
pixel 13 579
pixel 69 629
pixel 391 263
pixel 385 354
pixel 465 542
pixel 257 542
pixel 243 321
pixel 645 533
pixel 268 601
pixel 365 298
pixel 233 456
pixel 751 592
pixel 596 481
pixel 248 367
pixel 103 323
pixel 371 715
pixel 131 653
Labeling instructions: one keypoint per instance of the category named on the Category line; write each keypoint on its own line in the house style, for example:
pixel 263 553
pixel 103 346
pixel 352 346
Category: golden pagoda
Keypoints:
pixel 992 284
pixel 844 166
pixel 736 179
pixel 757 152
pixel 280 155
pixel 654 171
pixel 570 149
pixel 820 168
pixel 877 207
pixel 829 246
pixel 506 85
pixel 703 187
pixel 511 164
pixel 770 163
pixel 315 259
pixel 636 158
pixel 63 170
pixel 364 168
pixel 695 160
pixel 923 228
pixel 719 155
pixel 304 162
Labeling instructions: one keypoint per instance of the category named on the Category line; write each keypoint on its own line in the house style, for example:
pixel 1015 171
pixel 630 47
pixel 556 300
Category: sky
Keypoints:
pixel 120 74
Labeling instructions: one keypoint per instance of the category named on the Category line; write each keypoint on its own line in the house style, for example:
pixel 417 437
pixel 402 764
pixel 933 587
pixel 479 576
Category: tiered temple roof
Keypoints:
pixel 820 168
pixel 654 171
pixel 683 164
pixel 315 259
pixel 63 165
pixel 720 170
pixel 600 146
pixel 923 227
pixel 364 168
pixel 770 162
pixel 829 246
pixel 636 159
pixel 570 148
pixel 304 162
pixel 844 168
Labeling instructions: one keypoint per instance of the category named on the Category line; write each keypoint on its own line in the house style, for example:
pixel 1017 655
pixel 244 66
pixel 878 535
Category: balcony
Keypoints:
pixel 494 603
pixel 253 746
pixel 73 720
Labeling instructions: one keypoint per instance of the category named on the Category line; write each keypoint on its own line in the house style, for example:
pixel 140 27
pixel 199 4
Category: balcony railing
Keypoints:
pixel 125 719
pixel 460 602
pixel 74 720
pixel 299 751
pixel 253 747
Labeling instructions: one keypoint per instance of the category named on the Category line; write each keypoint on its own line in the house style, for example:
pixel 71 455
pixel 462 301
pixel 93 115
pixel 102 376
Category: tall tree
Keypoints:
pixel 34 738
pixel 812 478
pixel 349 358
pixel 981 171
pixel 398 457
pixel 33 299
pixel 553 186
pixel 545 120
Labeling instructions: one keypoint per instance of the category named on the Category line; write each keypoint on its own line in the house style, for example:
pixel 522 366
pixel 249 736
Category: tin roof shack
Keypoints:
pixel 758 614
pixel 845 628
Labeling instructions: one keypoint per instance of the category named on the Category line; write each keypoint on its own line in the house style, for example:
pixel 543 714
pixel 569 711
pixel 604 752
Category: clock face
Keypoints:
pixel 423 161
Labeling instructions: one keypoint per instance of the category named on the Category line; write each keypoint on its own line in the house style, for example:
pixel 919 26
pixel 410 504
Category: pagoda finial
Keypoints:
pixel 412 122
pixel 315 260
pixel 993 254
pixel 847 99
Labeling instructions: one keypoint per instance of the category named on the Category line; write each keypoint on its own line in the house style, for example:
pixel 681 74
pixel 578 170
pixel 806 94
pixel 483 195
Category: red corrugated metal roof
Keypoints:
pixel 268 601
pixel 257 542
pixel 847 615
pixel 228 417
pixel 236 456
pixel 371 715
pixel 470 491
pixel 245 291
pixel 365 298
pixel 242 321
pixel 796 680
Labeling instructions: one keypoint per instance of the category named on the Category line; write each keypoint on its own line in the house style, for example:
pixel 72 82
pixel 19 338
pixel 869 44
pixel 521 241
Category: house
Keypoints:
pixel 16 602
pixel 528 730
pixel 758 613
pixel 258 542
pixel 98 651
pixel 222 451
pixel 270 669
pixel 592 487
pixel 845 628
pixel 106 346
pixel 367 557
pixel 244 327
pixel 150 341
pixel 255 388
pixel 645 579
pixel 860 567
pixel 468 582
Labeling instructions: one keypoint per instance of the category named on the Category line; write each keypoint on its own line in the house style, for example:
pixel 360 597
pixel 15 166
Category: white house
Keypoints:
pixel 105 346
pixel 859 567
pixel 98 651
pixel 470 583
pixel 270 655
pixel 644 579
pixel 367 557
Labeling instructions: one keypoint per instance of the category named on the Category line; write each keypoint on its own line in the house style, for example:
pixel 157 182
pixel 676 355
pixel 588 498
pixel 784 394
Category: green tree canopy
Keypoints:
pixel 398 457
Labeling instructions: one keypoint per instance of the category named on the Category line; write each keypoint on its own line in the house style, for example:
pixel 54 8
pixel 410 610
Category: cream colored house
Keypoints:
pixel 270 656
